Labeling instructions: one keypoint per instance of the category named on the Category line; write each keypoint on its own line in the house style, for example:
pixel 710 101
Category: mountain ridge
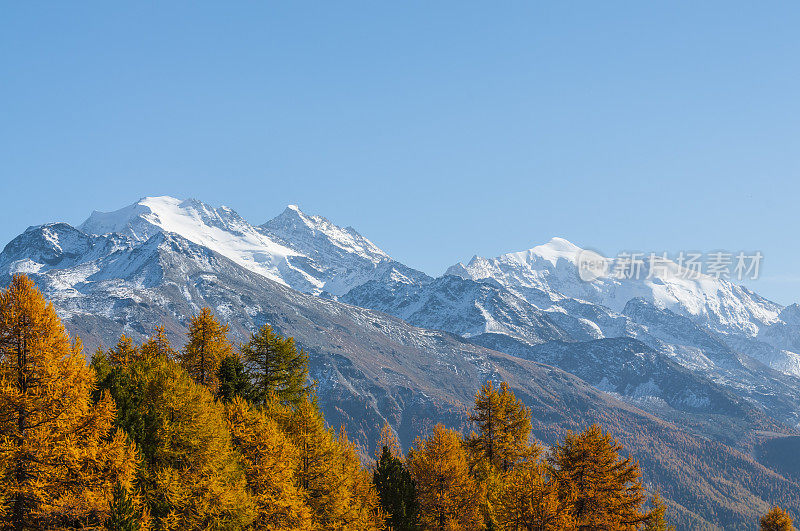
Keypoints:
pixel 390 343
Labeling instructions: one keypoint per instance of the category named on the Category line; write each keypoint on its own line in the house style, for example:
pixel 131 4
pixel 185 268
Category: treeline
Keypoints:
pixel 218 437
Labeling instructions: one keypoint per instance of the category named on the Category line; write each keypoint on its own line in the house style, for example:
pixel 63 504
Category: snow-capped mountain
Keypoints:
pixel 689 364
pixel 548 276
pixel 307 253
pixel 553 267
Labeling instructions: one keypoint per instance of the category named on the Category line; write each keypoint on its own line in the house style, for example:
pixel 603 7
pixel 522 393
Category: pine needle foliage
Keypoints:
pixel 396 491
pixel 124 515
pixel 234 381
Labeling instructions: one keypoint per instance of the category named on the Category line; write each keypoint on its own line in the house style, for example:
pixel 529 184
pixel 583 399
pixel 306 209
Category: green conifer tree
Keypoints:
pixel 397 492
pixel 233 380
pixel 123 515
pixel 277 367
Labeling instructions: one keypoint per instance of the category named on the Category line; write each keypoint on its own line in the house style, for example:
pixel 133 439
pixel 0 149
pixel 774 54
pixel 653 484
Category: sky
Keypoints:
pixel 439 130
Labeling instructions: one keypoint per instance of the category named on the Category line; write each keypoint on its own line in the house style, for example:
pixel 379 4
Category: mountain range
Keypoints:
pixel 699 378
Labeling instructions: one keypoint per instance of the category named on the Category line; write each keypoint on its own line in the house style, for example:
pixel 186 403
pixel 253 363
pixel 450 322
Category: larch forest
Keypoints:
pixel 221 436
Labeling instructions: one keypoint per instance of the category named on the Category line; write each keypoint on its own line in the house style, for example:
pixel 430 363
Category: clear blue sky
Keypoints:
pixel 438 129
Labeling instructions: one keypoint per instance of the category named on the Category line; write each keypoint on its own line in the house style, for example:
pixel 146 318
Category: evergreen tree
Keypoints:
pixel 58 455
pixel 529 500
pixel 504 426
pixel 124 515
pixel 190 475
pixel 233 379
pixel 602 489
pixel 777 520
pixel 277 367
pixel 271 462
pixel 448 496
pixel 397 492
pixel 207 345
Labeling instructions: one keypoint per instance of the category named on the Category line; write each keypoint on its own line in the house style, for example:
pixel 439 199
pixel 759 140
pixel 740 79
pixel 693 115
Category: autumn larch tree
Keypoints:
pixel 337 487
pixel 158 345
pixel 190 476
pixel 603 489
pixel 318 452
pixel 529 500
pixel 124 352
pixel 388 438
pixel 206 347
pixel 658 516
pixel 276 366
pixel 271 462
pixel 59 454
pixel 504 426
pixel 448 496
pixel 777 520
pixel 362 509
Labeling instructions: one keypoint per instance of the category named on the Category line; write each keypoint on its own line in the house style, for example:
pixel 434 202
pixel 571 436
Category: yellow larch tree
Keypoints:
pixel 776 520
pixel 388 438
pixel 504 427
pixel 191 476
pixel 528 500
pixel 502 441
pixel 339 491
pixel 207 345
pixel 59 455
pixel 448 496
pixel 270 461
pixel 603 489
pixel 363 508
pixel 124 352
pixel 158 345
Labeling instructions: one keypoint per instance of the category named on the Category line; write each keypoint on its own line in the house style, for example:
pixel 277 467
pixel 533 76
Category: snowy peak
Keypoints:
pixel 220 229
pixel 554 268
pixel 307 253
pixel 190 218
pixel 553 251
pixel 315 235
